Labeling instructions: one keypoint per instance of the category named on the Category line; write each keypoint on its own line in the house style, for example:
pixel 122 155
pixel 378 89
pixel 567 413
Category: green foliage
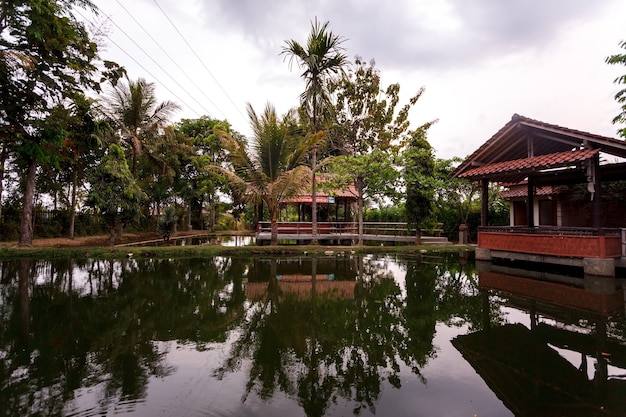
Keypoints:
pixel 393 213
pixel 114 192
pixel 133 111
pixel 418 174
pixel 167 222
pixel 196 182
pixel 46 57
pixel 366 113
pixel 374 174
pixel 457 201
pixel 461 195
pixel 368 137
pixel 620 96
pixel 320 58
pixel 271 169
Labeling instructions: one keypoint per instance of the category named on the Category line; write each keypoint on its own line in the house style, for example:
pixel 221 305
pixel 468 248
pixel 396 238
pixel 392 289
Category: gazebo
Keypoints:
pixel 333 205
pixel 542 165
pixel 335 216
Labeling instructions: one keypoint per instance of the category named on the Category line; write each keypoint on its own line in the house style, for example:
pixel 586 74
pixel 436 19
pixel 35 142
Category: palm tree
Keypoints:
pixel 271 169
pixel 135 113
pixel 321 57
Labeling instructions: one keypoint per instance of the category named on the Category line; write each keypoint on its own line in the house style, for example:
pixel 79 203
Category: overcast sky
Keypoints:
pixel 480 61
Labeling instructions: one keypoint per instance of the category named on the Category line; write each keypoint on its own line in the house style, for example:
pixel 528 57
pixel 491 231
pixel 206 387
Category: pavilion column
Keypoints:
pixel 484 202
pixel 596 220
pixel 531 202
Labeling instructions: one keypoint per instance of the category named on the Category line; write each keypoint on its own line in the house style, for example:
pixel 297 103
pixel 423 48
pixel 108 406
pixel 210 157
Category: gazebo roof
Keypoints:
pixel 324 196
pixel 524 146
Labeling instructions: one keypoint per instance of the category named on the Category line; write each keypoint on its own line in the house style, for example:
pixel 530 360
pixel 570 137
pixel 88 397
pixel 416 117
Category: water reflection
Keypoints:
pixel 199 240
pixel 307 336
pixel 569 360
pixel 318 340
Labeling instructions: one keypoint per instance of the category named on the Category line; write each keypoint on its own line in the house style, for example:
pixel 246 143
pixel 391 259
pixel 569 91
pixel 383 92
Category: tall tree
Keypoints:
pixel 455 198
pixel 160 165
pixel 82 147
pixel 46 55
pixel 114 192
pixel 321 57
pixel 620 96
pixel 418 173
pixel 133 110
pixel 368 135
pixel 272 168
pixel 197 184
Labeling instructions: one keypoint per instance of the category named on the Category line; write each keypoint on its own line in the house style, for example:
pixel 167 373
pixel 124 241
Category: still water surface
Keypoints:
pixel 336 336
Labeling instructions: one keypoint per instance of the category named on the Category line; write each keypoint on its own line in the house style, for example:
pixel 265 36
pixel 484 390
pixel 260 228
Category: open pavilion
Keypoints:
pixel 567 194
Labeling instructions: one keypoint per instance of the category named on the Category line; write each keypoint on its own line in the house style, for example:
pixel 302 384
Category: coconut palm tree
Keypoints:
pixel 272 167
pixel 321 57
pixel 133 110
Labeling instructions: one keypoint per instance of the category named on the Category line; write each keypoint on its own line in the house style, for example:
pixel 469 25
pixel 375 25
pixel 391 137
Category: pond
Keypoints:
pixel 203 239
pixel 422 335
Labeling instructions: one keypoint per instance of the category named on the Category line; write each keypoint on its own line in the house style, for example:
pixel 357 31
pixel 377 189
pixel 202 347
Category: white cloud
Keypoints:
pixel 480 60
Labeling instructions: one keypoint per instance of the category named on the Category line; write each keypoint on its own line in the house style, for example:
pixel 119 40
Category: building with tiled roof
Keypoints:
pixel 556 179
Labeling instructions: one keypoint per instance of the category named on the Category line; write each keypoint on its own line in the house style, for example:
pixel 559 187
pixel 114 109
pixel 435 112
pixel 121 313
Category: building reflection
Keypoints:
pixel 568 360
pixel 299 277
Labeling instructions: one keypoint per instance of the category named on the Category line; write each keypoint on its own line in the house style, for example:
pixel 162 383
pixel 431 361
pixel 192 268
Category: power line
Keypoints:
pixel 199 59
pixel 144 68
pixel 170 58
pixel 159 65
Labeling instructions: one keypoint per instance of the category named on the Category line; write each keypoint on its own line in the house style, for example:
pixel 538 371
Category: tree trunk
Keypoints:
pixel 73 206
pixel 211 214
pixel 189 216
pixel 359 187
pixel 274 225
pixel 136 146
pixel 314 199
pixel 26 226
pixel 119 230
pixel 112 232
pixel 3 159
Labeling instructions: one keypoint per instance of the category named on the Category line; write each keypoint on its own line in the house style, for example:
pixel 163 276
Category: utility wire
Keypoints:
pixel 201 90
pixel 159 65
pixel 199 59
pixel 144 68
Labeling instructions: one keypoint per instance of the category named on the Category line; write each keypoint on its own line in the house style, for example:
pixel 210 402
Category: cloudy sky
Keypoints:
pixel 480 61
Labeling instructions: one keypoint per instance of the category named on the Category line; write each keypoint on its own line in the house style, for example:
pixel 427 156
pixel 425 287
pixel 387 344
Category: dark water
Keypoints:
pixel 338 336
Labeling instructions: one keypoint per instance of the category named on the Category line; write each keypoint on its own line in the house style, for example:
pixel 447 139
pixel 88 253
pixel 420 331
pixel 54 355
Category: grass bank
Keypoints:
pixel 214 250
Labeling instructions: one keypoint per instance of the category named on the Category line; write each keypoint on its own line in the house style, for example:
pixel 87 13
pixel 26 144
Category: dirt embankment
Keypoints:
pixel 96 241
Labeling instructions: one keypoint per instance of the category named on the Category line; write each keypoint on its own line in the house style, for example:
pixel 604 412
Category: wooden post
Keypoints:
pixel 484 203
pixel 531 202
pixel 596 221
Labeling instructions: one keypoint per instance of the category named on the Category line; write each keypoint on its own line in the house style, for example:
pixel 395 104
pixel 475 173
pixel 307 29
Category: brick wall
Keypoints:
pixel 554 245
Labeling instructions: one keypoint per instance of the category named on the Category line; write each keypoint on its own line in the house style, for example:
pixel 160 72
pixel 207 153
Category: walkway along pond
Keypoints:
pixel 301 336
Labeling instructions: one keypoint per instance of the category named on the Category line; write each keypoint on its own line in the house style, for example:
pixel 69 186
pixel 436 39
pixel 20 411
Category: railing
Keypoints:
pixel 347 228
pixel 304 228
pixel 576 242
pixel 552 230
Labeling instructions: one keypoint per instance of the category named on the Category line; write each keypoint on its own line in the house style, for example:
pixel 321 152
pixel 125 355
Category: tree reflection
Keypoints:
pixel 323 331
pixel 327 346
pixel 58 335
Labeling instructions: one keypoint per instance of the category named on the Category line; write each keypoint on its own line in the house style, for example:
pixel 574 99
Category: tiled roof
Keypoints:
pixel 539 123
pixel 512 141
pixel 528 165
pixel 522 191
